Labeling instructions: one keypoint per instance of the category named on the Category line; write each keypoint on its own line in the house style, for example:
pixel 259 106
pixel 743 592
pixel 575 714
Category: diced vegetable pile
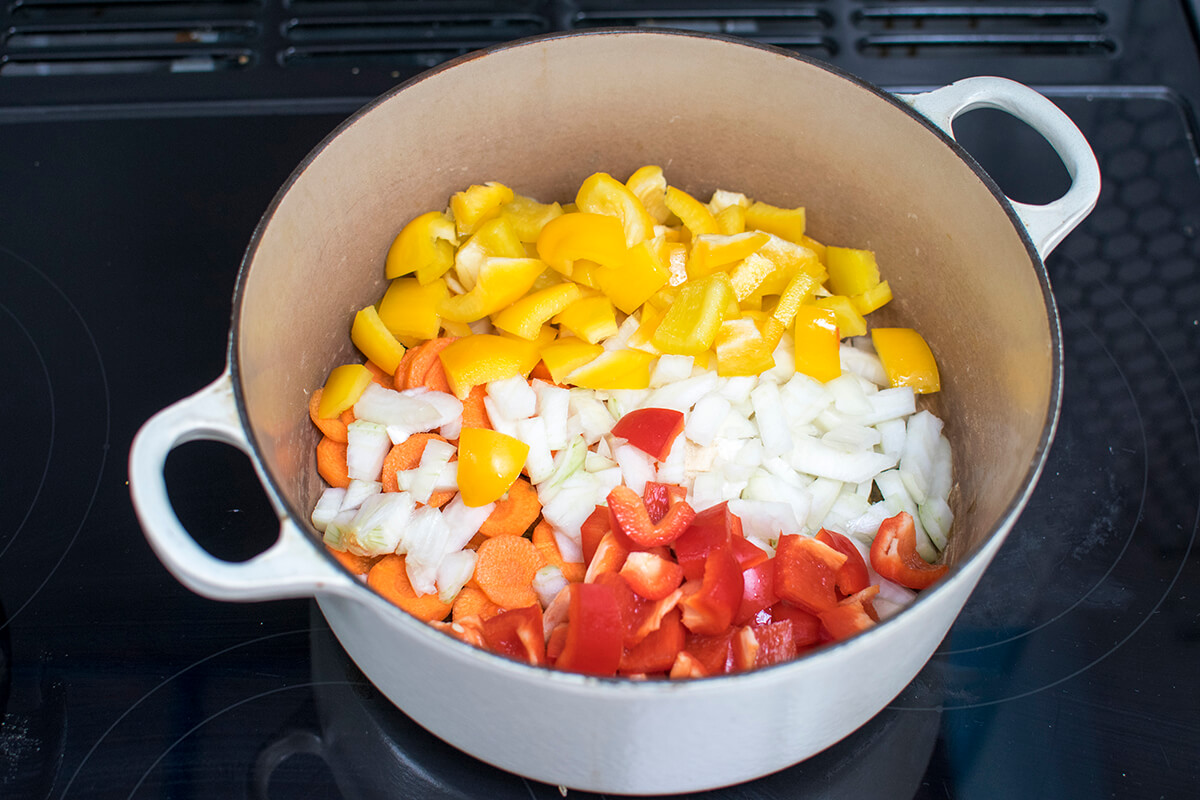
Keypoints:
pixel 637 434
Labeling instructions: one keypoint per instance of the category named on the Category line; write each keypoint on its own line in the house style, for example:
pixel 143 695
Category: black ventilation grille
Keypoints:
pixel 58 51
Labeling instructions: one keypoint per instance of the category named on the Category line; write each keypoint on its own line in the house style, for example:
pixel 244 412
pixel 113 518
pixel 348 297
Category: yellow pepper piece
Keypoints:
pixel 649 185
pixel 648 322
pixel 714 251
pixel 486 357
pixel 614 369
pixel 410 308
pixel 731 220
pixel 674 255
pixel 527 315
pixel 580 235
pixel 694 215
pixel 722 199
pixel 872 299
pixel 817 343
pixel 851 271
pixel 786 223
pixel 476 204
pixel 601 193
pixel 637 278
pixel 849 321
pixel 800 289
pixel 376 342
pixel 455 329
pixel 488 464
pixel 501 281
pixel 528 216
pixel 789 259
pixel 547 334
pixel 691 323
pixel 814 245
pixel 907 359
pixel 590 318
pixel 562 356
pixel 342 389
pixel 425 246
pixel 744 348
pixel 495 237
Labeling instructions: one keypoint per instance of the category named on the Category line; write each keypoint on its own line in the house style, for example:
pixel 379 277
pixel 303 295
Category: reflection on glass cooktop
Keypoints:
pixel 1069 674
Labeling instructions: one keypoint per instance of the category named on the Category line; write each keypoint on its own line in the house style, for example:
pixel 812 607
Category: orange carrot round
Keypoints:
pixel 331 462
pixel 474 413
pixel 334 427
pixel 425 356
pixel 357 565
pixel 407 455
pixel 543 539
pixel 472 602
pixel 400 378
pixel 379 374
pixel 504 570
pixel 515 512
pixel 389 578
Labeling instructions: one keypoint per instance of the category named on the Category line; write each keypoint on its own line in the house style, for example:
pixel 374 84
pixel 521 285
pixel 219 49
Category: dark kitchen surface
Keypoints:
pixel 141 141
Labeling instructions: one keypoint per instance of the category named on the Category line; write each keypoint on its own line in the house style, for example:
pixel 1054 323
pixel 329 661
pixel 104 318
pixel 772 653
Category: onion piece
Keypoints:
pixel 453 573
pixel 367 445
pixel 327 507
pixel 814 457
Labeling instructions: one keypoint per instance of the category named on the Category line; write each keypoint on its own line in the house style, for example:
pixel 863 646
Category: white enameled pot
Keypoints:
pixel 874 170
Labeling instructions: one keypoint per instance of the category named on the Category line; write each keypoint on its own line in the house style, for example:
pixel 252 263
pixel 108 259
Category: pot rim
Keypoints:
pixel 1006 521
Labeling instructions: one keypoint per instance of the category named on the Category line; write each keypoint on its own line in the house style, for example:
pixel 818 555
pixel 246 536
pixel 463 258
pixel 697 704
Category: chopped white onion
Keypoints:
pixel 327 507
pixel 367 445
pixel 453 573
pixel 513 398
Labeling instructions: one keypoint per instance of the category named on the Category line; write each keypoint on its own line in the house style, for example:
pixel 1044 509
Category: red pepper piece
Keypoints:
pixel 517 634
pixel 610 555
pixel 776 643
pixel 853 615
pixel 651 430
pixel 650 575
pixel 894 555
pixel 709 529
pixel 714 652
pixel 758 591
pixel 806 572
pixel 852 578
pixel 594 631
pixel 592 531
pixel 628 514
pixel 658 650
pixel 709 607
pixel 747 552
pixel 806 627
pixel 630 606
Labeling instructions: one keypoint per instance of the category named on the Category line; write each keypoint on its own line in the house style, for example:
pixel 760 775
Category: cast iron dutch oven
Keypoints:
pixel 875 171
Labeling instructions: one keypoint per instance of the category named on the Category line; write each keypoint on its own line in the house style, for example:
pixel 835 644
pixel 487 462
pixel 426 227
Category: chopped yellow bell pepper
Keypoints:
pixel 485 357
pixel 501 281
pixel 818 351
pixel 907 359
pixel 564 355
pixel 872 299
pixel 674 255
pixel 495 238
pixel 714 251
pixel 528 216
pixel 410 308
pixel 800 289
pixel 814 245
pixel 526 316
pixel 642 338
pixel 374 340
pixel 691 323
pixel 548 334
pixel 455 329
pixel 614 369
pixel 849 321
pixel 424 246
pixel 343 387
pixel 694 215
pixel 650 186
pixel 731 220
pixel 601 193
pixel 633 282
pixel 584 272
pixel 745 348
pixel 488 464
pixel 786 223
pixel 571 237
pixel 722 199
pixel 789 259
pixel 590 318
pixel 851 271
pixel 476 204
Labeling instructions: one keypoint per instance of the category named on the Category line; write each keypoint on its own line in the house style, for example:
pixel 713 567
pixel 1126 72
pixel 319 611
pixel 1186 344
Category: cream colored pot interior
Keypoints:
pixel 542 116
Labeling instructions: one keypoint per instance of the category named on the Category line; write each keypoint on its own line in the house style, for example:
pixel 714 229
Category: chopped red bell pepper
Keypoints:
pixel 894 554
pixel 747 552
pixel 711 528
pixel 852 577
pixel 853 615
pixel 629 516
pixel 714 652
pixel 592 531
pixel 758 591
pixel 776 643
pixel 609 557
pixel 517 634
pixel 651 430
pixel 594 631
pixel 806 627
pixel 629 605
pixel 806 572
pixel 650 575
pixel 657 651
pixel 659 497
pixel 710 604
pixel 745 649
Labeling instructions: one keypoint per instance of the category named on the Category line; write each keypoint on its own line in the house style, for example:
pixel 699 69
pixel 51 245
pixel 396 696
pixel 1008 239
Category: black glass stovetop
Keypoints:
pixel 1074 670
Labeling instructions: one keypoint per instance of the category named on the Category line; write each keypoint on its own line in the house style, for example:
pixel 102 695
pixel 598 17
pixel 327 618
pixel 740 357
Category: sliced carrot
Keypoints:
pixel 472 602
pixel 514 512
pixel 435 379
pixel 504 570
pixel 331 462
pixel 335 427
pixel 400 378
pixel 379 374
pixel 389 578
pixel 358 565
pixel 543 539
pixel 407 455
pixel 426 354
pixel 474 413
pixel 541 372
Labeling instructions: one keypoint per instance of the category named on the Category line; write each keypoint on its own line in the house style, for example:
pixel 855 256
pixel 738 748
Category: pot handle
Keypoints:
pixel 1047 224
pixel 291 567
